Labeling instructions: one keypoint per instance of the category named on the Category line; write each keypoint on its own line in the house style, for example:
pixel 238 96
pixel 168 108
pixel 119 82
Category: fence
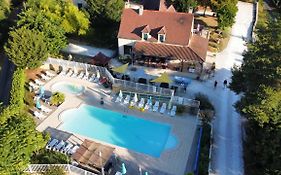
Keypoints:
pixel 38 168
pixel 65 64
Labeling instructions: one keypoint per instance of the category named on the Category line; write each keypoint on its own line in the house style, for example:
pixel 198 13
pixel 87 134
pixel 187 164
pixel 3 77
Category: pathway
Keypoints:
pixel 227 156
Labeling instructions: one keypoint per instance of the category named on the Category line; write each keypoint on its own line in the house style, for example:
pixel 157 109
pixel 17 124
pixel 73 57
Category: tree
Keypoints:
pixel 26 48
pixel 184 5
pixel 226 11
pixel 4 9
pixel 55 171
pixel 18 140
pixel 113 10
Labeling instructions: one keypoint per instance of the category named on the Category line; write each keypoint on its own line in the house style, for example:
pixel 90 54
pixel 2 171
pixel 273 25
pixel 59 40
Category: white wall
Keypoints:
pixel 122 42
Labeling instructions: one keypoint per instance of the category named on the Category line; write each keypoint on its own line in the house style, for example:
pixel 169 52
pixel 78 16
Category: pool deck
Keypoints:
pixel 171 161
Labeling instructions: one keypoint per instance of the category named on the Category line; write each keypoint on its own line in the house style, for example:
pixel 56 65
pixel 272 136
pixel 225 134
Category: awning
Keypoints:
pixel 121 69
pixel 164 78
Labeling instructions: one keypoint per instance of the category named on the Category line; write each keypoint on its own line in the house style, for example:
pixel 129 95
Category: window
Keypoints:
pixel 145 36
pixel 161 38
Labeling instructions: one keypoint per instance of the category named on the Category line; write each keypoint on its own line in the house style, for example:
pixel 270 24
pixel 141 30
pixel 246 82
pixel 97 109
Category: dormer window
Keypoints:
pixel 162 34
pixel 145 33
pixel 161 38
pixel 145 36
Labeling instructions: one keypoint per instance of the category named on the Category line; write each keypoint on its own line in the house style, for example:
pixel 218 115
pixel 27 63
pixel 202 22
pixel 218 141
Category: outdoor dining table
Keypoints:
pixel 182 80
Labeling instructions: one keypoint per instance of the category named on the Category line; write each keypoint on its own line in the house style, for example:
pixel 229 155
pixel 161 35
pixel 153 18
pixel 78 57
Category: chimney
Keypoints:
pixel 140 9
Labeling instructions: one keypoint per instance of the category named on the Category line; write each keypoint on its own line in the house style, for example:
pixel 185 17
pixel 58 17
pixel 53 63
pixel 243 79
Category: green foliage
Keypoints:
pixel 19 139
pixel 57 98
pixel 204 150
pixel 262 15
pixel 105 11
pixel 49 157
pixel 180 109
pixel 204 102
pixel 184 5
pixel 4 9
pixel 26 48
pixel 55 171
pixel 17 90
pixel 226 12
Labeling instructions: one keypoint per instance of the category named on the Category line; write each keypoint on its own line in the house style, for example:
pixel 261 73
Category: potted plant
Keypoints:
pixel 57 98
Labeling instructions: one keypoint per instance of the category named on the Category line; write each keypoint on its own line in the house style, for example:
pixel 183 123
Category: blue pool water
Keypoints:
pixel 68 87
pixel 130 132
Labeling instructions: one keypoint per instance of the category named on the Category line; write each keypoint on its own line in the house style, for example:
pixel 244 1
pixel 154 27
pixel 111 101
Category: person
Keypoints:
pixel 215 84
pixel 224 83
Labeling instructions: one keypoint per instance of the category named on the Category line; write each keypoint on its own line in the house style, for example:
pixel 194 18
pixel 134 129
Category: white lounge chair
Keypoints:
pixel 66 148
pixel 69 73
pixel 39 115
pixel 39 82
pixel 148 106
pixel 45 109
pixel 86 76
pixel 156 106
pixel 133 103
pixel 51 144
pixel 50 74
pixel 59 146
pixel 163 108
pixel 73 150
pixel 118 99
pixel 75 73
pixel 63 72
pixel 127 100
pixel 141 103
pixel 173 110
pixel 91 79
pixel 81 75
pixel 33 85
pixel 44 77
pixel 180 100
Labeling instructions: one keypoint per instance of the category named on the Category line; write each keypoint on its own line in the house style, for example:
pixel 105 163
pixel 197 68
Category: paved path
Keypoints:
pixel 227 156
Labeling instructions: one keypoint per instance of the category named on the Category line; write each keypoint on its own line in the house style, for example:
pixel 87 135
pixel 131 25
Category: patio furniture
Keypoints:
pixel 173 111
pixel 45 109
pixel 180 100
pixel 59 146
pixel 39 115
pixel 141 103
pixel 73 150
pixel 33 85
pixel 51 144
pixel 44 77
pixel 127 100
pixel 66 148
pixel 40 83
pixel 69 73
pixel 50 74
pixel 163 108
pixel 81 75
pixel 156 106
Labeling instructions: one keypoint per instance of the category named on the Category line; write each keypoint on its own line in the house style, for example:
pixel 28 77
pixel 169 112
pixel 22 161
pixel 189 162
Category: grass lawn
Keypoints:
pixel 208 21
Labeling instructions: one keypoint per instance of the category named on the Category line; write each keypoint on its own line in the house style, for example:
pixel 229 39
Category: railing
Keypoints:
pixel 65 64
pixel 37 168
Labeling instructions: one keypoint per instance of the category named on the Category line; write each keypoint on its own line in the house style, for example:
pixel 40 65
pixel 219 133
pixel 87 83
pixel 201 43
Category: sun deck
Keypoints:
pixel 171 161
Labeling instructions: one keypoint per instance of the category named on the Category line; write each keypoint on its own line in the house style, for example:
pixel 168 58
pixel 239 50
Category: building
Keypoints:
pixel 161 38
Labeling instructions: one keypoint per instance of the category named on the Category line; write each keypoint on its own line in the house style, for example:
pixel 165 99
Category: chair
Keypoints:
pixel 69 73
pixel 66 148
pixel 163 108
pixel 75 73
pixel 59 146
pixel 118 99
pixel 156 106
pixel 51 144
pixel 63 72
pixel 141 103
pixel 81 75
pixel 45 109
pixel 86 76
pixel 50 74
pixel 91 79
pixel 173 111
pixel 147 106
pixel 73 150
pixel 33 85
pixel 180 100
pixel 44 77
pixel 40 83
pixel 127 100
pixel 38 115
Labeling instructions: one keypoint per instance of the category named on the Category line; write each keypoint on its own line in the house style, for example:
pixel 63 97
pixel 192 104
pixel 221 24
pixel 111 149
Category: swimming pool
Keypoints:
pixel 130 132
pixel 68 87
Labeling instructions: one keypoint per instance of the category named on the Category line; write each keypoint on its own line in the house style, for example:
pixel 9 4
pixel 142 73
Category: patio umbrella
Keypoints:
pixel 164 78
pixel 136 98
pixel 121 69
pixel 120 94
pixel 38 105
pixel 124 171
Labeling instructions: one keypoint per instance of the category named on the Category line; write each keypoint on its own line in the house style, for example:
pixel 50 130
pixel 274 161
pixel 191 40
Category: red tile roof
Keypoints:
pixel 199 45
pixel 177 25
pixel 168 51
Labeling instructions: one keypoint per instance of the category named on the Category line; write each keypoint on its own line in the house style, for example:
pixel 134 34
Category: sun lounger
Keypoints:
pixel 66 148
pixel 73 150
pixel 147 106
pixel 127 100
pixel 91 79
pixel 51 144
pixel 96 80
pixel 45 109
pixel 180 100
pixel 81 75
pixel 50 74
pixel 156 106
pixel 69 73
pixel 38 115
pixel 141 103
pixel 59 146
pixel 118 99
pixel 75 73
pixel 44 77
pixel 40 83
pixel 173 110
pixel 163 108
pixel 63 72
pixel 33 85
pixel 86 76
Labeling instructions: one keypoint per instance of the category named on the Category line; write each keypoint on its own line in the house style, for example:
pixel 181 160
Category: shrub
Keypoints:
pixel 57 98
pixel 181 109
pixel 49 157
pixel 55 171
pixel 204 102
pixel 28 99
pixel 17 90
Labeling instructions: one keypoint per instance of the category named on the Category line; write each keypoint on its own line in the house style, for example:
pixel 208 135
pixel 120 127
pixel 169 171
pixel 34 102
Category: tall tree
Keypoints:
pixel 184 5
pixel 18 140
pixel 4 8
pixel 26 48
